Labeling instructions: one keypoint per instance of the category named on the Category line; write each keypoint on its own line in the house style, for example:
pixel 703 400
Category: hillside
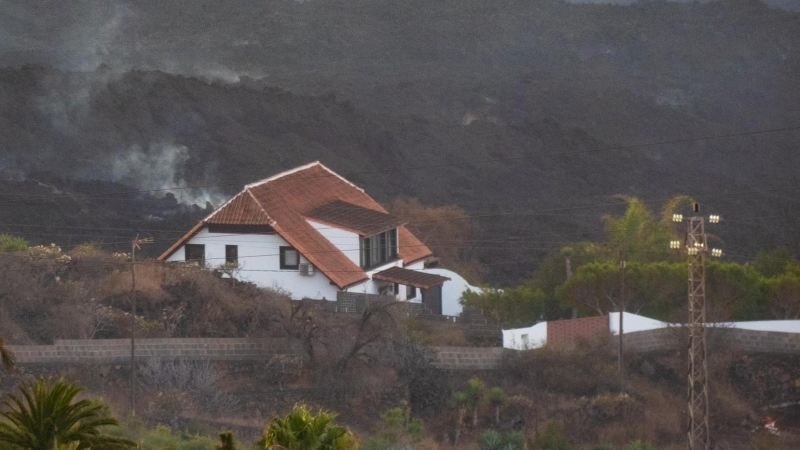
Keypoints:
pixel 152 130
pixel 598 66
pixel 444 88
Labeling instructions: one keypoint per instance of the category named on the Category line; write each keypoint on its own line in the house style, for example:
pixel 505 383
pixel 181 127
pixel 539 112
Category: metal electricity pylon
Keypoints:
pixel 696 246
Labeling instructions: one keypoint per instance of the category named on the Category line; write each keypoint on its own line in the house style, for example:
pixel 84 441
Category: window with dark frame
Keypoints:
pixel 386 289
pixel 290 258
pixel 378 249
pixel 411 292
pixel 196 253
pixel 232 254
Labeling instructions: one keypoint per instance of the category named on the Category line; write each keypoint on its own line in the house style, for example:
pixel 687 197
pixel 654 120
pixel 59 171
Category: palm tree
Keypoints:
pixel 460 402
pixel 302 430
pixel 47 417
pixel 6 356
pixel 476 396
pixel 497 397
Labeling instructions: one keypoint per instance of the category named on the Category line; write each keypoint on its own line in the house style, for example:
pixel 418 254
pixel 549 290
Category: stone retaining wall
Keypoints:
pixel 450 358
pixel 104 351
pixel 468 358
pixel 763 341
pixel 119 350
pixel 749 341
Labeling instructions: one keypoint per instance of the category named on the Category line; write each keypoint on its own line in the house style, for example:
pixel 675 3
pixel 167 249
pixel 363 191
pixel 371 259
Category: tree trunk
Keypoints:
pixel 475 417
pixel 497 415
pixel 458 426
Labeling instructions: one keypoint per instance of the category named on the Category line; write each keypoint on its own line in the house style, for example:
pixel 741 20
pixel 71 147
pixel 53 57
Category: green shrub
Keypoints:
pixel 639 445
pixel 603 447
pixel 10 243
pixel 415 429
pixel 162 438
pixel 398 427
pixel 493 440
pixel 552 438
pixel 374 443
pixel 490 440
pixel 513 440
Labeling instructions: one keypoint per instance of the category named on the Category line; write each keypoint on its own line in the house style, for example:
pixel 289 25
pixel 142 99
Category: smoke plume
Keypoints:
pixel 161 168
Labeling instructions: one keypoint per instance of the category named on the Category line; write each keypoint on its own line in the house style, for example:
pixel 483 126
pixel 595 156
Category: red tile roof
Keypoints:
pixel 363 221
pixel 410 277
pixel 284 200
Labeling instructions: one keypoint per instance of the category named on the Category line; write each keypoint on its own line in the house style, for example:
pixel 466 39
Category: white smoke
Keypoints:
pixel 160 169
pixel 91 45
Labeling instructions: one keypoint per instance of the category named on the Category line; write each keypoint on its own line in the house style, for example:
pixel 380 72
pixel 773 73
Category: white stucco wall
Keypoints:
pixel 346 241
pixel 784 326
pixel 259 260
pixel 451 290
pixel 526 338
pixel 632 323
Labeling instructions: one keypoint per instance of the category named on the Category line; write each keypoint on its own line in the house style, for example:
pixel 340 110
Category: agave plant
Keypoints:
pixel 48 416
pixel 302 430
pixel 490 440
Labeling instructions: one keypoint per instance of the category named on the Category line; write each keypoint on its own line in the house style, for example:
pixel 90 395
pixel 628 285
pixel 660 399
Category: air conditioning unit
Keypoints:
pixel 306 269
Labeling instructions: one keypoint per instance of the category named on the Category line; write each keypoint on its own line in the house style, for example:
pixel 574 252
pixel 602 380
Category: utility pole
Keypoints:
pixel 134 245
pixel 569 274
pixel 622 266
pixel 696 245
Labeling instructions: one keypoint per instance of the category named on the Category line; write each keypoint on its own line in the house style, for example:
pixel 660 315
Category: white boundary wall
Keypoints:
pixel 536 336
pixel 632 323
pixel 451 290
pixel 526 338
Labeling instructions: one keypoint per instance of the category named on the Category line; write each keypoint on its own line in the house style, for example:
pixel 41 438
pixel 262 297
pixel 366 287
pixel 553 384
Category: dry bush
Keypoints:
pixel 352 345
pixel 13 333
pixel 46 295
pixel 197 379
pixel 446 229
pixel 433 333
pixel 660 420
pixel 588 369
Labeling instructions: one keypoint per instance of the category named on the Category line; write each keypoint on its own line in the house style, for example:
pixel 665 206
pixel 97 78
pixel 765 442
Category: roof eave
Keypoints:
pixel 355 283
pixel 182 241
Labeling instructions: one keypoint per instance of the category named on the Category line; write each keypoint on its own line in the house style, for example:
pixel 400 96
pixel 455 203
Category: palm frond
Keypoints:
pixel 47 416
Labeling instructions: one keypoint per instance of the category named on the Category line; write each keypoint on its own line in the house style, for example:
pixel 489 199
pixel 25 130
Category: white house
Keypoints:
pixel 312 233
